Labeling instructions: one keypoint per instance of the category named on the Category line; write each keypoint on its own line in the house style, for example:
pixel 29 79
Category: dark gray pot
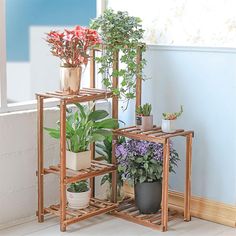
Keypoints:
pixel 148 197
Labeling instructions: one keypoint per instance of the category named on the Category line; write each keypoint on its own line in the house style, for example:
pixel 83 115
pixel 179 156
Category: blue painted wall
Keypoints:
pixel 21 14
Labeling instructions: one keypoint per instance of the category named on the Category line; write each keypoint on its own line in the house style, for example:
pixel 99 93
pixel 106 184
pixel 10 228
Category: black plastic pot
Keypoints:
pixel 148 197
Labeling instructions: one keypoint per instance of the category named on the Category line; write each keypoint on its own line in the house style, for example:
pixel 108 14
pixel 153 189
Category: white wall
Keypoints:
pixel 18 163
pixel 205 84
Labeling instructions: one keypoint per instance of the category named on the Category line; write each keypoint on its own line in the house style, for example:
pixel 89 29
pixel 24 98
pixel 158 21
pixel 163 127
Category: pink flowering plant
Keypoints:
pixel 142 161
pixel 71 46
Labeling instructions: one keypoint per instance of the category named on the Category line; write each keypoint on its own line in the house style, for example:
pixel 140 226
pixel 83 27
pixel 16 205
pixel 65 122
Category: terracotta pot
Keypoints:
pixel 168 126
pixel 78 200
pixel 78 161
pixel 70 79
pixel 147 123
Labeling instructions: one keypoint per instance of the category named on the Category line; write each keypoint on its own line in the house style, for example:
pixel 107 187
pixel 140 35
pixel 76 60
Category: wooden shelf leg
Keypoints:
pixel 40 212
pixel 92 85
pixel 63 200
pixel 187 194
pixel 114 173
pixel 92 180
pixel 166 156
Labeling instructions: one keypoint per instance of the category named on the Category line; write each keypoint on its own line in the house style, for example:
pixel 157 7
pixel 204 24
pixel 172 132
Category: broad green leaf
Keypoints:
pixel 103 132
pixel 109 123
pixel 98 115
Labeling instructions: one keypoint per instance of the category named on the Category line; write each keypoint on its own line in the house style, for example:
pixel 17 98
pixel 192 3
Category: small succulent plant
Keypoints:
pixel 172 116
pixel 144 110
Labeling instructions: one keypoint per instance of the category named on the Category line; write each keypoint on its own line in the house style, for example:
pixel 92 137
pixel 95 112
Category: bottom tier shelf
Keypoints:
pixel 96 207
pixel 128 211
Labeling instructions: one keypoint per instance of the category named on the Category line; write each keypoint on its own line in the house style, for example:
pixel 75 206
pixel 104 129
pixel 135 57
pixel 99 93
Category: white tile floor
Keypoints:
pixel 107 225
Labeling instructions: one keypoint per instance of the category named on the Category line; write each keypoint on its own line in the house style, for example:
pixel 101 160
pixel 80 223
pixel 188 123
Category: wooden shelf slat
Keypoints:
pixel 128 211
pixel 74 215
pixel 97 168
pixel 153 135
pixel 85 95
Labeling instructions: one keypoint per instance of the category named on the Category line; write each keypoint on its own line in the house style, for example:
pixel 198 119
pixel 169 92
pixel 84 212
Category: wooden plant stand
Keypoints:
pixel 127 209
pixel 69 216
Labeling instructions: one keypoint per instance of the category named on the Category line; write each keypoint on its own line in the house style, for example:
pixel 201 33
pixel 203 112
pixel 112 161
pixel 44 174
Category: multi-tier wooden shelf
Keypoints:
pixel 125 209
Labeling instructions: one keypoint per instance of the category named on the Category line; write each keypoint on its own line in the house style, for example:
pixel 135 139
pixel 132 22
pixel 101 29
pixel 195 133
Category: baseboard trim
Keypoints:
pixel 206 209
pixel 200 207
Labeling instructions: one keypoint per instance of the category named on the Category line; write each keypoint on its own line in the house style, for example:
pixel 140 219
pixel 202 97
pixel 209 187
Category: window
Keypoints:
pixel 184 22
pixel 26 65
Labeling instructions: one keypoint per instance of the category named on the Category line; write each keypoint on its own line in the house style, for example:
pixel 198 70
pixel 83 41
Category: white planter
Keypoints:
pixel 78 200
pixel 168 126
pixel 78 161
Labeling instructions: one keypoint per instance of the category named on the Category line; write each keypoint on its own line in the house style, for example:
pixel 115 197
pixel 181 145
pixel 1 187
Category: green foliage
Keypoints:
pixel 79 187
pixel 146 169
pixel 144 110
pixel 83 127
pixel 104 149
pixel 173 116
pixel 123 33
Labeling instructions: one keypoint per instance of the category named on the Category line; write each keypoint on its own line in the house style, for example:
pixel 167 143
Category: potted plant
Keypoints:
pixel 169 120
pixel 124 33
pixel 78 195
pixel 71 46
pixel 104 149
pixel 141 163
pixel 144 119
pixel 83 127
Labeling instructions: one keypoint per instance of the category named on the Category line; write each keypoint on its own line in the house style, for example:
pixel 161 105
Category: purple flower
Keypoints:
pixel 126 151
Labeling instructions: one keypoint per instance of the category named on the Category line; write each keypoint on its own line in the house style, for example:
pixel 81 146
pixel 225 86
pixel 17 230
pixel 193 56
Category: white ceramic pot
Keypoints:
pixel 70 79
pixel 147 123
pixel 78 161
pixel 168 126
pixel 78 200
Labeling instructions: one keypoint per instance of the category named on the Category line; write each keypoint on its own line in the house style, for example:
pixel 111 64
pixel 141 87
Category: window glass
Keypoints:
pixel 30 66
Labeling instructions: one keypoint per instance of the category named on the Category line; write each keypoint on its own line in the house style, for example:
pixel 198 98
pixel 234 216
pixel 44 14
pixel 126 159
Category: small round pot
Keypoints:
pixel 70 79
pixel 148 197
pixel 168 126
pixel 78 200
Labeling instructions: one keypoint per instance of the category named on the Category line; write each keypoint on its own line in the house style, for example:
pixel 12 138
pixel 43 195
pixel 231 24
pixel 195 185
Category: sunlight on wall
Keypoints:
pixel 184 22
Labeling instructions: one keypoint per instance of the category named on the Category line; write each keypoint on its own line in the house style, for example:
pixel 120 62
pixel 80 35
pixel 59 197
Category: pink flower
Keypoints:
pixel 71 45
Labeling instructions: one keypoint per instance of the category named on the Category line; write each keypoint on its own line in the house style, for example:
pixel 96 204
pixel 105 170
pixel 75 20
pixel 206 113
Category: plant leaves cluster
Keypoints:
pixel 144 110
pixel 79 187
pixel 120 33
pixel 104 149
pixel 84 126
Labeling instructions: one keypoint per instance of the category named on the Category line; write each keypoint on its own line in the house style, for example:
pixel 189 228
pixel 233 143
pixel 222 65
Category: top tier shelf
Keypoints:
pixel 153 135
pixel 84 95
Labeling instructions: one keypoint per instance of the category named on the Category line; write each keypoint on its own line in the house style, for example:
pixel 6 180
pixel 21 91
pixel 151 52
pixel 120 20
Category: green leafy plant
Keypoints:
pixel 123 33
pixel 83 127
pixel 142 161
pixel 173 116
pixel 144 110
pixel 104 149
pixel 79 187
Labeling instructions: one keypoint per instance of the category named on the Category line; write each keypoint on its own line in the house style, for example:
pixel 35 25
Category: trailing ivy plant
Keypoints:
pixel 123 33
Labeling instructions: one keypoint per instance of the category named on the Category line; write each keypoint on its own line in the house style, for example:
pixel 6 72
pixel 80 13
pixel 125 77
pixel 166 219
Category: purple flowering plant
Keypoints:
pixel 142 161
